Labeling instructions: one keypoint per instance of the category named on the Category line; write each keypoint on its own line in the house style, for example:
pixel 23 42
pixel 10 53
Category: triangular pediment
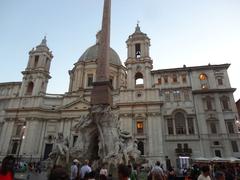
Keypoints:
pixel 79 104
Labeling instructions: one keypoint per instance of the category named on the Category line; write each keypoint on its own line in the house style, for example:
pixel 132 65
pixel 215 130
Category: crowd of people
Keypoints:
pixel 83 171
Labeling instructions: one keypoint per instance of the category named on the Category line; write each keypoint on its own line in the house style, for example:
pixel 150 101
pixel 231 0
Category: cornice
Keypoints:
pixel 193 68
pixel 206 91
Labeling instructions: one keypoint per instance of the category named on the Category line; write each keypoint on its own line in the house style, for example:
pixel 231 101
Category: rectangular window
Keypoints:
pixel 209 104
pixel 184 78
pixel 89 80
pixel 216 143
pixel 139 127
pixel 176 95
pixel 190 125
pixel 179 146
pixel 186 95
pixel 185 146
pixel 14 147
pixel 225 103
pixel 165 79
pixel 167 96
pixel 18 130
pixel 213 128
pixel 159 80
pixel 218 153
pixel 234 146
pixel 174 78
pixel 170 126
pixel 220 81
pixel 230 127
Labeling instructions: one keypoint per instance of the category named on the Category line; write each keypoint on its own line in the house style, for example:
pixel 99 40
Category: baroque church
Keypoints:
pixel 176 115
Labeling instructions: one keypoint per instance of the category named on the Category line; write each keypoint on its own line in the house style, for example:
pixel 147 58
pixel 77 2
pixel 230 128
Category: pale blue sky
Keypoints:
pixel 191 32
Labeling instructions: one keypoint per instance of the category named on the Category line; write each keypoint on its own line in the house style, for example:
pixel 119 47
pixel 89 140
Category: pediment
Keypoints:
pixel 79 104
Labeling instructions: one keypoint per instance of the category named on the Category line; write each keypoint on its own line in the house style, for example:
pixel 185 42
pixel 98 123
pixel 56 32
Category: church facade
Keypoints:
pixel 175 114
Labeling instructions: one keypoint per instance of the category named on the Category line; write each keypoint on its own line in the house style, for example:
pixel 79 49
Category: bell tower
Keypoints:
pixel 138 63
pixel 36 74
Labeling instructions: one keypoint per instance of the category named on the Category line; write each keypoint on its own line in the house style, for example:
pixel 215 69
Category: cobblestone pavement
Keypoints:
pixel 31 176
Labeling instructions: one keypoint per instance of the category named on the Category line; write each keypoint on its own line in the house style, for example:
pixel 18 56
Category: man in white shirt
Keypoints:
pixel 157 170
pixel 85 169
pixel 205 173
pixel 74 169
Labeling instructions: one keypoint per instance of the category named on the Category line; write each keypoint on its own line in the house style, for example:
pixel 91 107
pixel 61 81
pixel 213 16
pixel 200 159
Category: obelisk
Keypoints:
pixel 101 93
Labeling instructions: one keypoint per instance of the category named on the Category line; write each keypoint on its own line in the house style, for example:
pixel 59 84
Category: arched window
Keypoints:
pixel 138 50
pixel 139 79
pixel 141 147
pixel 180 123
pixel 30 88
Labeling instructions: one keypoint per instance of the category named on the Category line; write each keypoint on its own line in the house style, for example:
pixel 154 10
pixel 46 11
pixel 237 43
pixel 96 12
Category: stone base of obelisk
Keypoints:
pixel 101 93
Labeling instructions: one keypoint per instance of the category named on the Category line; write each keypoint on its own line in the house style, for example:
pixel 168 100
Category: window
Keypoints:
pixel 36 61
pixel 184 78
pixel 159 81
pixel 203 80
pixel 230 127
pixel 234 146
pixel 218 153
pixel 216 143
pixel 139 94
pixel 141 147
pixel 139 79
pixel 190 125
pixel 89 80
pixel 186 95
pixel 139 127
pixel 30 88
pixel 213 128
pixel 180 123
pixel 14 147
pixel 167 96
pixel 165 79
pixel 209 104
pixel 170 126
pixel 225 103
pixel 174 78
pixel 176 95
pixel 220 81
pixel 18 130
pixel 138 50
pixel 179 146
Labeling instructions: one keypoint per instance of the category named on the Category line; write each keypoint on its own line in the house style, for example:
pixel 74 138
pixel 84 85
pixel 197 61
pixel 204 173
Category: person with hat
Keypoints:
pixel 74 170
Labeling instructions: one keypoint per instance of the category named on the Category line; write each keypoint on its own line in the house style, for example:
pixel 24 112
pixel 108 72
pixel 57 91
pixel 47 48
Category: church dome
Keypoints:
pixel 91 54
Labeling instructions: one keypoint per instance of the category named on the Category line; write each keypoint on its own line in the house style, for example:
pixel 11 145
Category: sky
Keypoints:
pixel 190 32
